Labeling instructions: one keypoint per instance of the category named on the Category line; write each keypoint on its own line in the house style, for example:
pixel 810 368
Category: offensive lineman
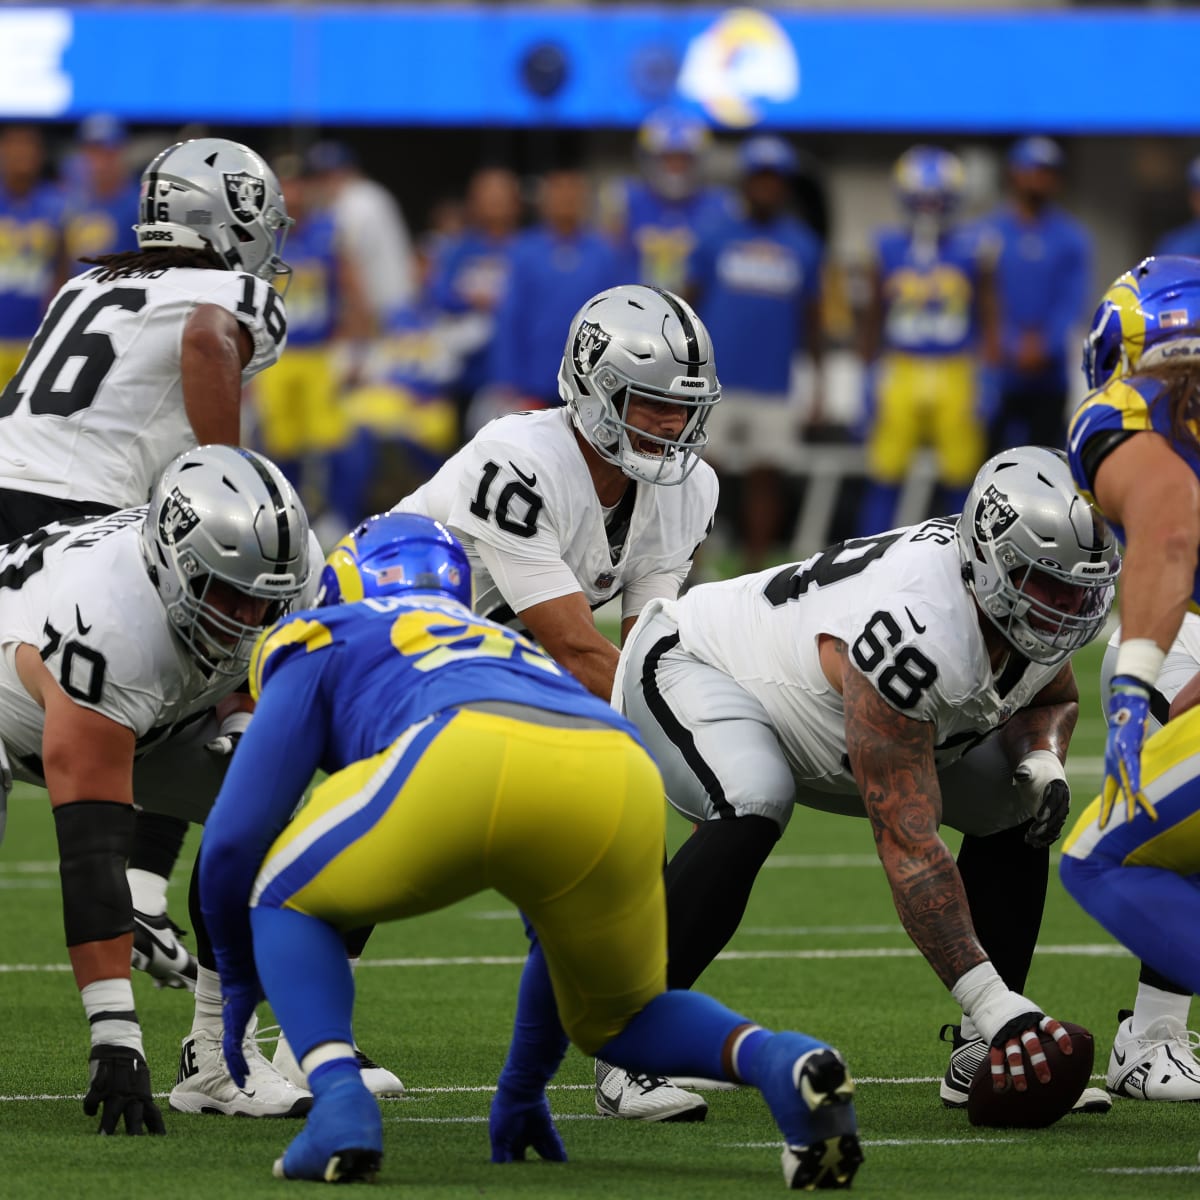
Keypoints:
pixel 561 511
pixel 855 682
pixel 136 361
pixel 120 635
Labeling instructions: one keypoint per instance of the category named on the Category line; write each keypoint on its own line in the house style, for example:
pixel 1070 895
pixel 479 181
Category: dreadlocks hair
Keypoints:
pixel 142 262
pixel 1181 394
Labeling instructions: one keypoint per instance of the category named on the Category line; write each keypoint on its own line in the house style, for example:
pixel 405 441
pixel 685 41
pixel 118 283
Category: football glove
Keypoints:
pixel 230 733
pixel 1128 711
pixel 238 1002
pixel 1042 782
pixel 1021 1034
pixel 119 1087
pixel 515 1125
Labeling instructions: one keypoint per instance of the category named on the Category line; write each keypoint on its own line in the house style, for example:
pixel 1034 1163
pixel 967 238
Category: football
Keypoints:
pixel 1041 1104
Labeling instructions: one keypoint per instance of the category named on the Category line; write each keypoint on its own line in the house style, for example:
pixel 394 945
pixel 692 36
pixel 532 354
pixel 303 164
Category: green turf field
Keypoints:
pixel 820 949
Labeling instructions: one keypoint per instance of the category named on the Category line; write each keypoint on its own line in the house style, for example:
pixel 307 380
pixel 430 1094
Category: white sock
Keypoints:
pixel 325 1052
pixel 1152 1004
pixel 149 891
pixel 207 1012
pixel 109 1007
pixel 969 1030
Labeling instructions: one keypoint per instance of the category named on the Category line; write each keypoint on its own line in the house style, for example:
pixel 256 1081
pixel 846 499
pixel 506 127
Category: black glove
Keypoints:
pixel 120 1082
pixel 1043 785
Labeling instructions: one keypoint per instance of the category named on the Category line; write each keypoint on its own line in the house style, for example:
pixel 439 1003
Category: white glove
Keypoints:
pixel 232 728
pixel 1042 782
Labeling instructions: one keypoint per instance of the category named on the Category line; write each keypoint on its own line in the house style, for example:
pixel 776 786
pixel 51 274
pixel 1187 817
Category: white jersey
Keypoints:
pixel 80 593
pixel 911 627
pixel 522 489
pixel 95 411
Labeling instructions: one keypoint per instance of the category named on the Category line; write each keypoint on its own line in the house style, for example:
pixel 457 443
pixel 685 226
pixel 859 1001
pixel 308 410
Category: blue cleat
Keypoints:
pixel 809 1091
pixel 342 1141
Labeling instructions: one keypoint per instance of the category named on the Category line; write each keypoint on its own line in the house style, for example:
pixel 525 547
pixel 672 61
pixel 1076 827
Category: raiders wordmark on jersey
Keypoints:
pixel 522 488
pixel 95 411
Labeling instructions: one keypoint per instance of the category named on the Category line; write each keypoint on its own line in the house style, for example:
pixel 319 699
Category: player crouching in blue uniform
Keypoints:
pixel 398 690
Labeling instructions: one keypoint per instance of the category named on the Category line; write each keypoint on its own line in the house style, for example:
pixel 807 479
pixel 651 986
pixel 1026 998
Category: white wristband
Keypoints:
pixel 988 1000
pixel 1142 658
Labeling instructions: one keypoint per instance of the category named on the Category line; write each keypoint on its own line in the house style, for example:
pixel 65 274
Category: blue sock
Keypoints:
pixel 677 1033
pixel 306 975
pixel 877 512
pixel 330 1073
pixel 1152 911
pixel 538 1041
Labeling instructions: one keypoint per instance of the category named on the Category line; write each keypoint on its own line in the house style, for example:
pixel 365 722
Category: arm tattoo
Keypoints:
pixel 1047 722
pixel 892 759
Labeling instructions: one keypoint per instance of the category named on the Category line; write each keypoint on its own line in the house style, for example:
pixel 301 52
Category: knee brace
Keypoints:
pixel 94 837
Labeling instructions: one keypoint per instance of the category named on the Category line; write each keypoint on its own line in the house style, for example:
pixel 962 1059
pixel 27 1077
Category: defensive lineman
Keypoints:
pixel 857 682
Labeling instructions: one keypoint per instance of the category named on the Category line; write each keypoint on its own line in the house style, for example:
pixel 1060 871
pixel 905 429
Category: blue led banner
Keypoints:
pixel 1071 71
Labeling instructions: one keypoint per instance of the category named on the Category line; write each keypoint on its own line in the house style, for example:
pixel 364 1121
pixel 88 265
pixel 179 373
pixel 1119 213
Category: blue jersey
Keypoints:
pixel 930 292
pixel 550 278
pixel 358 675
pixel 29 242
pixel 1043 281
pixel 754 282
pixel 661 234
pixel 96 226
pixel 1130 405
pixel 312 293
pixel 1184 240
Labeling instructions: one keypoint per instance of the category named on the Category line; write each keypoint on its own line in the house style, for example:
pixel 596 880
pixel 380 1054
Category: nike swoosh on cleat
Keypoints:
pixel 527 479
pixel 1119 1056
pixel 169 951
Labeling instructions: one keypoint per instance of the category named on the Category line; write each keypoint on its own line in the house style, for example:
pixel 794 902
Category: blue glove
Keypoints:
pixel 239 1000
pixel 515 1124
pixel 1128 710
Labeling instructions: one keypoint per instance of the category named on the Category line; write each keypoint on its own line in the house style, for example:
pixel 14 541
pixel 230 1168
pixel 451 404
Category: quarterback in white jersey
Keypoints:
pixel 912 678
pixel 116 630
pixel 560 511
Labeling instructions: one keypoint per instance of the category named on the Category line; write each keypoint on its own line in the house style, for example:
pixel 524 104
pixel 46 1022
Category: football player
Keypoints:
pixel 436 727
pixel 564 510
pixel 120 635
pixel 915 678
pixel 931 327
pixel 137 360
pixel 1132 858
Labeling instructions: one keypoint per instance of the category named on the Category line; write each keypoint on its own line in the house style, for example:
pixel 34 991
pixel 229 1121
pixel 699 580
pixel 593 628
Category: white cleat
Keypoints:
pixel 379 1080
pixel 644 1097
pixel 1161 1064
pixel 205 1086
pixel 158 951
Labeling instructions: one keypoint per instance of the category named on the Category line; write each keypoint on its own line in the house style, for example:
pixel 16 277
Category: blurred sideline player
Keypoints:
pixel 1186 238
pixel 120 635
pixel 656 219
pixel 31 219
pixel 461 758
pixel 102 198
pixel 564 510
pixel 1154 1053
pixel 137 360
pixel 1132 858
pixel 929 332
pixel 917 678
pixel 302 418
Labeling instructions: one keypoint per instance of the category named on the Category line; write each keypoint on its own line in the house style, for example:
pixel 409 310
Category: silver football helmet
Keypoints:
pixel 224 524
pixel 1039 560
pixel 644 342
pixel 218 193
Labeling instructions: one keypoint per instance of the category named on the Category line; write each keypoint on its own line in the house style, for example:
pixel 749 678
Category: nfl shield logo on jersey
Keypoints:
pixel 993 515
pixel 177 518
pixel 590 343
pixel 245 194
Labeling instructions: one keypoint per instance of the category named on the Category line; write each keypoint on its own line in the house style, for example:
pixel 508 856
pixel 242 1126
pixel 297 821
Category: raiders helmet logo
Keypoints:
pixel 177 518
pixel 590 343
pixel 245 193
pixel 993 514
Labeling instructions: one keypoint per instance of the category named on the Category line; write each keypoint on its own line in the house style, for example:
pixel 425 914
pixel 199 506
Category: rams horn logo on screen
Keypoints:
pixel 743 58
pixel 993 515
pixel 245 194
pixel 177 518
pixel 590 343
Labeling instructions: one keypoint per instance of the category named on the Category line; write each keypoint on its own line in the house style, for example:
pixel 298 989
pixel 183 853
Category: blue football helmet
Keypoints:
pixel 395 554
pixel 1149 314
pixel 929 180
pixel 680 135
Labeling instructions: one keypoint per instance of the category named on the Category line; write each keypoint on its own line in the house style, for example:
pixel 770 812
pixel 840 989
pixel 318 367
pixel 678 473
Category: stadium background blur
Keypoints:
pixel 421 97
